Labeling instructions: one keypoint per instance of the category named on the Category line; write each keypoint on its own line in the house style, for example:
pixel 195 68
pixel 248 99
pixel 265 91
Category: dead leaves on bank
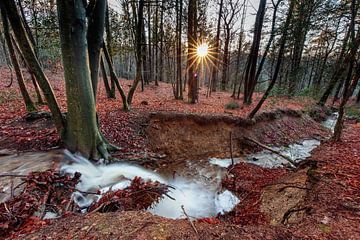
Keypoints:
pixel 44 192
pixel 139 195
pixel 51 192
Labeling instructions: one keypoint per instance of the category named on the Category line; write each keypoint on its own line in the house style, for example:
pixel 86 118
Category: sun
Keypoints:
pixel 202 50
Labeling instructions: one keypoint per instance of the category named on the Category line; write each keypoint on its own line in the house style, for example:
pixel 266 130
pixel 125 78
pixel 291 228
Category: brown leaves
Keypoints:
pixel 44 191
pixel 140 195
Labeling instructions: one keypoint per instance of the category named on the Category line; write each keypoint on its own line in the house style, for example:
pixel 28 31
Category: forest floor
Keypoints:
pixel 322 196
pixel 329 209
pixel 120 127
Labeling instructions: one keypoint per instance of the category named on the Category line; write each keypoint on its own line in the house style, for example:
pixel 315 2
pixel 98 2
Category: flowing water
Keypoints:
pixel 197 183
pixel 200 195
pixel 330 122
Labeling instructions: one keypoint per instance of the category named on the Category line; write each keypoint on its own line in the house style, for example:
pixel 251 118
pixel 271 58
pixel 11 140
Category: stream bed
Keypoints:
pixel 196 183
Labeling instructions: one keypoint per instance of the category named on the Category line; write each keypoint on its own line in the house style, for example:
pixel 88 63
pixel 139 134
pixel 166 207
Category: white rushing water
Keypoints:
pixel 199 198
pixel 267 159
pixel 296 152
pixel 330 122
pixel 223 162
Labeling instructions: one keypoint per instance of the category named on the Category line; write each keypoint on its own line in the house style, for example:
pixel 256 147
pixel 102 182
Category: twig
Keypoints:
pixel 98 208
pixel 69 204
pixel 292 162
pixel 11 188
pixel 77 190
pixel 191 223
pixel 292 186
pixel 289 212
pixel 139 228
pixel 43 211
pixel 12 175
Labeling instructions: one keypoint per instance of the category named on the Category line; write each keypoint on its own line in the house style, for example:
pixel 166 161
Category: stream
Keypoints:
pixel 196 183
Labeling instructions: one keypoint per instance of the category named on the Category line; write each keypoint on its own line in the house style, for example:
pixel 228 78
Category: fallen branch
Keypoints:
pixel 288 214
pixel 191 223
pixel 13 175
pixel 292 162
pixel 293 186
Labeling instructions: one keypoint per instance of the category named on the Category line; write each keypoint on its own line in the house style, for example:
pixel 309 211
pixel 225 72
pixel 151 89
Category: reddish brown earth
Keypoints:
pixel 184 136
pixel 320 200
pixel 119 127
pixel 330 205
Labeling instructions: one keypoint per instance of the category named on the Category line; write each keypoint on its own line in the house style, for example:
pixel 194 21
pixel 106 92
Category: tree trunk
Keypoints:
pixel 156 42
pixel 138 40
pixel 149 43
pixel 237 67
pixel 213 80
pixel 82 133
pixel 272 35
pixel 279 60
pixel 341 66
pixel 192 60
pixel 105 78
pixel 29 105
pixel 348 90
pixel 144 62
pixel 250 81
pixel 95 39
pixel 241 39
pixel 29 55
pixel 114 79
pixel 304 10
pixel 178 87
pixel 161 61
pixel 224 76
pixel 33 78
pixel 109 43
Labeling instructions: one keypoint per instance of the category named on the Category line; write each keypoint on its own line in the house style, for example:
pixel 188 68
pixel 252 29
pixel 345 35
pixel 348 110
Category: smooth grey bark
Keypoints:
pixel 95 39
pixel 82 133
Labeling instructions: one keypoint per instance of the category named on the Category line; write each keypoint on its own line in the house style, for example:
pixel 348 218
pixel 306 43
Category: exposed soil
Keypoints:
pixel 184 136
pixel 124 129
pixel 326 199
pixel 320 200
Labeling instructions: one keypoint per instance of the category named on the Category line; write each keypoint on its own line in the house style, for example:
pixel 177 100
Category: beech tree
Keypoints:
pixel 192 61
pixel 280 57
pixel 29 104
pixel 82 132
pixel 250 72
